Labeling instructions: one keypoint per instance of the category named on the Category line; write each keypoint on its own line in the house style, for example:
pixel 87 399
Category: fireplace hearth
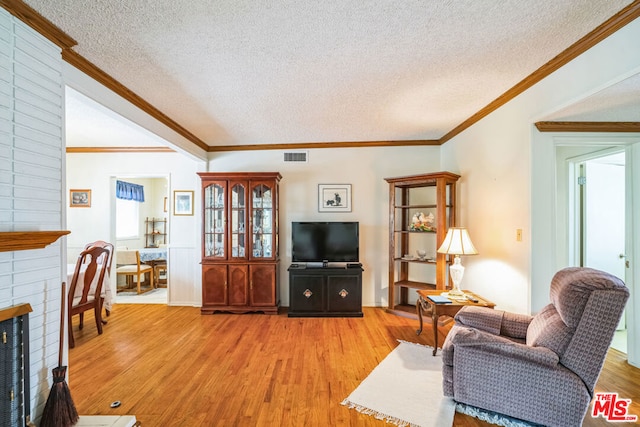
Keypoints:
pixel 14 364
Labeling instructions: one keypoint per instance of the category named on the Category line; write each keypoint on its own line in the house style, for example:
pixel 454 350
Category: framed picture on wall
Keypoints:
pixel 183 202
pixel 80 198
pixel 334 197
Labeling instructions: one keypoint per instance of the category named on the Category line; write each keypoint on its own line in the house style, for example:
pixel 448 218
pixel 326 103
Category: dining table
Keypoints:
pixel 153 257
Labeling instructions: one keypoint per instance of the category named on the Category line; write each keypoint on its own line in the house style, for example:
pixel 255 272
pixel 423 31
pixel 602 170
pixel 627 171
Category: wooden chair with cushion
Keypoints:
pixel 89 276
pixel 128 265
pixel 108 259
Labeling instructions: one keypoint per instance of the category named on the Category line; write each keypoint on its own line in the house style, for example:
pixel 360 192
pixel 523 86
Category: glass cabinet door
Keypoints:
pixel 238 214
pixel 214 220
pixel 262 236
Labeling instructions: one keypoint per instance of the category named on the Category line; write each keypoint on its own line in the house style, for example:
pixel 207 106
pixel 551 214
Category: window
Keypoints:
pixel 127 219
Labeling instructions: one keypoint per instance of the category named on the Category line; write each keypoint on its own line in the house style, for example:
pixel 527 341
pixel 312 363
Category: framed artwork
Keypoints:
pixel 166 208
pixel 334 197
pixel 80 198
pixel 182 202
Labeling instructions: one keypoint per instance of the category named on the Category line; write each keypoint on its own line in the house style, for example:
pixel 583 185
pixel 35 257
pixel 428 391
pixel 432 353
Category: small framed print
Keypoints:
pixel 183 202
pixel 334 197
pixel 80 198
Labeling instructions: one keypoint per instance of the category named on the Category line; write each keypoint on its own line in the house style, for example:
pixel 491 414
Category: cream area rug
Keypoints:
pixel 405 389
pixel 156 296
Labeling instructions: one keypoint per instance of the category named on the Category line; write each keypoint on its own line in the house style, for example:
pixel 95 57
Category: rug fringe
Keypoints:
pixel 492 417
pixel 415 343
pixel 378 415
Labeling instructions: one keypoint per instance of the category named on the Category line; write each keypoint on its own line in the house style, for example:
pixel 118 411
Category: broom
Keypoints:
pixel 59 411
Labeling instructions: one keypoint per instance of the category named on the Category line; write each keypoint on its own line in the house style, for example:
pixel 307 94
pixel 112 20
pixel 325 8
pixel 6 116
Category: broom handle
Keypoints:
pixel 62 310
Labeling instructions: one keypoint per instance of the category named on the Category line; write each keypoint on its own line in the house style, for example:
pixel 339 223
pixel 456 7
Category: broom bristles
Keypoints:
pixel 59 411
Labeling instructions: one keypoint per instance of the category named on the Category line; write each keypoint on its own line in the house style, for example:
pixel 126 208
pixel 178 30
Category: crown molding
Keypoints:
pixel 28 15
pixel 610 26
pixel 91 150
pixel 39 23
pixel 588 126
pixel 312 145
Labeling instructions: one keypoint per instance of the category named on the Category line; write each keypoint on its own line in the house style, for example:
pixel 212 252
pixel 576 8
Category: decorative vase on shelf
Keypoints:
pixel 422 222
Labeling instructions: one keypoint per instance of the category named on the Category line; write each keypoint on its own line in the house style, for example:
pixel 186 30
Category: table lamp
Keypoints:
pixel 456 243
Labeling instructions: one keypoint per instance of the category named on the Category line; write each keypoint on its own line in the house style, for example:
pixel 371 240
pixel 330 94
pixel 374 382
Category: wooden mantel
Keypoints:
pixel 14 311
pixel 22 240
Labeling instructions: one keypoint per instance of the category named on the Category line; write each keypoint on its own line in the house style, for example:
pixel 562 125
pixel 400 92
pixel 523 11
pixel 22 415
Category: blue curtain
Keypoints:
pixel 129 191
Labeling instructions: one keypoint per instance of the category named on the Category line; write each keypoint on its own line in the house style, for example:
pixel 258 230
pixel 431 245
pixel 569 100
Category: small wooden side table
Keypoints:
pixel 443 309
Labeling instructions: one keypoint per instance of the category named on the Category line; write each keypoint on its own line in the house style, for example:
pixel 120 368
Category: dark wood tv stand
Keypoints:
pixel 325 291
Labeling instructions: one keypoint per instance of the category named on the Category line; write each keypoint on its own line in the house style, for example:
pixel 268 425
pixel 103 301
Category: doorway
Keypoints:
pixel 144 227
pixel 599 218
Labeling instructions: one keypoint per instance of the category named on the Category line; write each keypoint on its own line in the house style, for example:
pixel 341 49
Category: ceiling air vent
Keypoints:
pixel 298 156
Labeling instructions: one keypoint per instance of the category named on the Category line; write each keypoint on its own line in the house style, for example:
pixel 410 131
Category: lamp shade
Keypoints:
pixel 457 242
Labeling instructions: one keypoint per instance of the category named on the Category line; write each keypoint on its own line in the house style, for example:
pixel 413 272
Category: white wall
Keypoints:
pixel 493 159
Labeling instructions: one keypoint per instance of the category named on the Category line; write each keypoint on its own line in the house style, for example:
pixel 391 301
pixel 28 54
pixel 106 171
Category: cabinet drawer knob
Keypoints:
pixel 343 293
pixel 307 293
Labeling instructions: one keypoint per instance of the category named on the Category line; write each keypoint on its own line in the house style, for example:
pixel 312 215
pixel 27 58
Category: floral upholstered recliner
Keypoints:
pixel 541 369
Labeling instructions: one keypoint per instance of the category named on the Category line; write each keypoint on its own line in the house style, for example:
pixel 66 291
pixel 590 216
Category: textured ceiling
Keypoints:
pixel 236 72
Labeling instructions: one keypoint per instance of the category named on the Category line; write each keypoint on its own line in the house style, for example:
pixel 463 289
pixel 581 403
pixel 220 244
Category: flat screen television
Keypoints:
pixel 325 242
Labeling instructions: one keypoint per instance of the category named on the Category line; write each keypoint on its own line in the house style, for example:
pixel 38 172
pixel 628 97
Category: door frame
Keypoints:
pixel 633 253
pixel 112 212
pixel 631 144
pixel 575 228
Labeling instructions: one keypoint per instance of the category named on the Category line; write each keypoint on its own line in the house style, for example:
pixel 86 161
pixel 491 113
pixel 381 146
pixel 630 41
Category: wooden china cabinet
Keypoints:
pixel 240 242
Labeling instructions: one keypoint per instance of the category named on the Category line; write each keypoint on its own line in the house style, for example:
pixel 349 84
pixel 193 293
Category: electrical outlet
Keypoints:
pixel 519 235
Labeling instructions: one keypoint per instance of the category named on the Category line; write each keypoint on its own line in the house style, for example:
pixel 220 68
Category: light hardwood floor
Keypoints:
pixel 171 366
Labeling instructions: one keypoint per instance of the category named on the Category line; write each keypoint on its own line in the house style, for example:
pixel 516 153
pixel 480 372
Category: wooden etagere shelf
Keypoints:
pixel 414 285
pixel 433 193
pixel 155 232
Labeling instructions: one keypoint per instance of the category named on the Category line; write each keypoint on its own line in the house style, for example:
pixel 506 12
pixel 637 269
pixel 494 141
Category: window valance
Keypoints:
pixel 129 191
